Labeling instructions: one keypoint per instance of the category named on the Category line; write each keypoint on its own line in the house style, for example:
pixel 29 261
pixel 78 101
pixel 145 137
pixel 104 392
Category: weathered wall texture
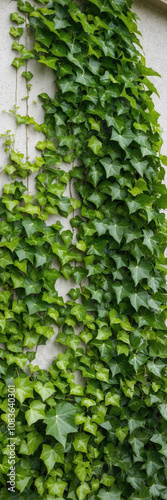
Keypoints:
pixel 13 93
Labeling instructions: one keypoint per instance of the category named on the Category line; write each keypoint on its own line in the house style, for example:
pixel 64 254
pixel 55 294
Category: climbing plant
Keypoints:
pixel 106 437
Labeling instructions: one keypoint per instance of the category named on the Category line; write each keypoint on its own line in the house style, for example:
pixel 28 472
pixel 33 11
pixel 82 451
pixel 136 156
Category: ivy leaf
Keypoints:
pixel 121 290
pixel 135 422
pixel 123 140
pixel 114 494
pixel 79 273
pixel 16 18
pixel 97 198
pixel 40 258
pixel 94 144
pixel 101 226
pixel 50 62
pixel 140 166
pixel 83 490
pixel 137 360
pixel 143 494
pixel 79 312
pixel 32 225
pixel 44 330
pixel 116 229
pixel 12 244
pixel 24 389
pixel 136 480
pixel 112 399
pixel 89 426
pixel 140 271
pixel 60 421
pixel 23 478
pixel 34 305
pixel 86 79
pixel 149 240
pixel 113 190
pixel 163 410
pixel 94 175
pixel 156 367
pixel 31 287
pixel 39 485
pixel 121 433
pixel 154 283
pixel 139 299
pixel 60 23
pixel 50 456
pixel 112 169
pixel 16 32
pixel 56 487
pixel 34 439
pixel 53 313
pixel 153 463
pixel 19 360
pixel 57 189
pixel 24 252
pixel 80 442
pixel 5 258
pixel 45 391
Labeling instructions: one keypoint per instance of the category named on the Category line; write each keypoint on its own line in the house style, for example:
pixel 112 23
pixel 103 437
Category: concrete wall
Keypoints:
pixel 14 93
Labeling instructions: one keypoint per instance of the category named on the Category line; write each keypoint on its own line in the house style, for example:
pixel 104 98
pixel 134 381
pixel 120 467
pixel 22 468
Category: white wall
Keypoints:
pixel 153 26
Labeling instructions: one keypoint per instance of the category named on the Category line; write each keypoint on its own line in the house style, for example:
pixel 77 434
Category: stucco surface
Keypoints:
pixel 13 93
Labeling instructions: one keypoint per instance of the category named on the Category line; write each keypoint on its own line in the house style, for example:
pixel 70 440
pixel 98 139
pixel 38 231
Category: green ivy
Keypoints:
pixel 106 437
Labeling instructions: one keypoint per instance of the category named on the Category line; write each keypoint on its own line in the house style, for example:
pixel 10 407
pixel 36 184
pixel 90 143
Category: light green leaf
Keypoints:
pixel 24 389
pixel 112 399
pixel 16 32
pixel 80 442
pixel 94 144
pixel 39 485
pixel 79 312
pixel 90 426
pixel 56 487
pixel 36 412
pixel 16 18
pixel 83 490
pixel 45 391
pixel 5 258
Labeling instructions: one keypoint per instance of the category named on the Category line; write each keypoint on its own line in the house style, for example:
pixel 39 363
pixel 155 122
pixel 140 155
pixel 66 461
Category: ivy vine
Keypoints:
pixel 107 437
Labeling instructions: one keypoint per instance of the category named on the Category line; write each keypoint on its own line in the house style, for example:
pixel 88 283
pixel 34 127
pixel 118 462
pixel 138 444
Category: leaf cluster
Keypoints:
pixel 104 438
